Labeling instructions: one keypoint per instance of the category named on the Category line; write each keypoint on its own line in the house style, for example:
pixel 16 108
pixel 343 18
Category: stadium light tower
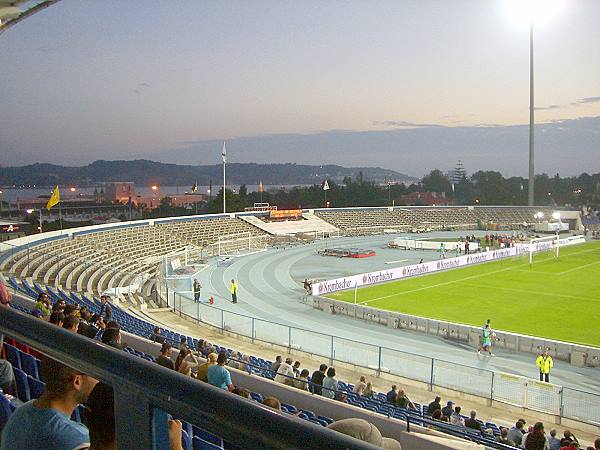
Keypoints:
pixel 29 211
pixel 533 11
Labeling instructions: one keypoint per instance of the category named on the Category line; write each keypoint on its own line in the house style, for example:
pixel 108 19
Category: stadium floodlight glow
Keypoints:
pixel 72 189
pixel 538 215
pixel 538 11
pixel 29 211
pixel 556 215
pixel 154 187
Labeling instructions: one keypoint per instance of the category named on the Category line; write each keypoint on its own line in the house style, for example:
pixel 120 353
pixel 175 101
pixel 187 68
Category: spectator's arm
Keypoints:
pixel 175 434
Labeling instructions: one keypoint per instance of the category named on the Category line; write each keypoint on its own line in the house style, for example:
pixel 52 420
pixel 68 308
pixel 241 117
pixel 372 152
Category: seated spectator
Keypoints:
pixel 434 405
pixel 7 377
pixel 597 444
pixel 71 323
pixel 515 434
pixel 99 414
pixel 202 373
pixel 403 401
pixel 364 431
pixel 456 418
pixel 330 384
pixel 242 392
pixel 568 438
pixel 301 382
pixel 60 304
pixel 245 364
pixel 164 359
pixel 45 423
pixel 156 336
pixel 391 395
pixel 296 368
pixel 112 338
pixel 553 441
pixel 317 379
pixel 112 324
pixel 448 409
pixel 218 375
pixel 182 342
pixel 71 310
pixel 235 360
pixel 85 326
pixel 437 414
pixel 285 373
pixel 5 295
pixel 359 388
pixel 57 318
pixel 472 422
pixel 369 390
pixel 276 364
pixel 272 402
pixel 536 439
pixel 503 438
pixel 187 364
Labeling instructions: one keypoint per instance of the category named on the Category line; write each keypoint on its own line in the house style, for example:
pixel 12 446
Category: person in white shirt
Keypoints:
pixel 285 373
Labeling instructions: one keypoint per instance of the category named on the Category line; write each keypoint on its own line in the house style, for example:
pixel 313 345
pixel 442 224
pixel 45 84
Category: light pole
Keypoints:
pixel 531 187
pixel 29 211
pixel 1 201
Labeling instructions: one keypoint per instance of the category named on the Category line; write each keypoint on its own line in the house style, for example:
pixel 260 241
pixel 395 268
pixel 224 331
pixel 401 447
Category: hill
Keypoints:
pixel 145 172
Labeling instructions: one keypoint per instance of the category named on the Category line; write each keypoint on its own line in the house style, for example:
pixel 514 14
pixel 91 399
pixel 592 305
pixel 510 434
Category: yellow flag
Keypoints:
pixel 54 198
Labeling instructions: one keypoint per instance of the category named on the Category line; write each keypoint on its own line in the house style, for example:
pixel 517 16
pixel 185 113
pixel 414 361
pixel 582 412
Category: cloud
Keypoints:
pixel 543 108
pixel 146 85
pixel 589 100
pixel 405 124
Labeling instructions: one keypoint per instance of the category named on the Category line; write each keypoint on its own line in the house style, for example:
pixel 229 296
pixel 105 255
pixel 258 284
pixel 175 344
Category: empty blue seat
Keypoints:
pixel 186 440
pixel 36 387
pixel 207 436
pixel 22 385
pixel 30 365
pixel 201 444
pixel 13 355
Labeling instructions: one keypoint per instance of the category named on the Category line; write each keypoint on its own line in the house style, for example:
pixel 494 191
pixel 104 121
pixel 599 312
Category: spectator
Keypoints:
pixel 515 434
pixel 182 342
pixel 71 310
pixel 105 308
pixel 456 418
pixel 99 414
pixel 156 336
pixel 369 390
pixel 301 382
pixel 330 384
pixel 364 431
pixel 597 444
pixel 112 338
pixel 285 373
pixel 45 422
pixel 188 362
pixel 71 323
pixel 242 392
pixel 218 375
pixel 235 360
pixel 245 364
pixel 437 414
pixel 448 409
pixel 202 373
pixel 85 328
pixel 391 395
pixel 568 437
pixel 434 405
pixel 472 422
pixel 359 388
pixel 503 438
pixel 317 379
pixel 42 306
pixel 553 441
pixel 276 364
pixel 57 318
pixel 272 402
pixel 536 439
pixel 5 295
pixel 164 359
pixel 7 377
pixel 544 363
pixel 403 401
pixel 296 368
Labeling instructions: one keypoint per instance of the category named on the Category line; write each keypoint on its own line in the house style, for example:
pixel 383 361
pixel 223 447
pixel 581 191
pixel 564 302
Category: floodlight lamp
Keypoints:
pixel 29 211
pixel 556 215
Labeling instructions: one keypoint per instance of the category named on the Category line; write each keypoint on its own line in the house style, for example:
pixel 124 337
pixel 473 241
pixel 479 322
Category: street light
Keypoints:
pixel 154 187
pixel 29 211
pixel 533 11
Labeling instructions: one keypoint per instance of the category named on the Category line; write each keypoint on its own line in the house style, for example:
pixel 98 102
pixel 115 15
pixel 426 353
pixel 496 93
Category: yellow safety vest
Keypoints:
pixel 234 288
pixel 545 364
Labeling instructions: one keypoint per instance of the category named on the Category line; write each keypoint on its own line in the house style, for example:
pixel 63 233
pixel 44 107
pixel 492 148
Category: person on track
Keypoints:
pixel 234 290
pixel 544 363
pixel 486 342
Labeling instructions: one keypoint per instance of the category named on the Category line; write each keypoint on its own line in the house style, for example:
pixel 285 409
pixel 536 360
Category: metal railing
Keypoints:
pixel 499 386
pixel 145 392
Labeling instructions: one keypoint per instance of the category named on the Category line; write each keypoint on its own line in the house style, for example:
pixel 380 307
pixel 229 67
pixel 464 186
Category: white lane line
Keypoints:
pixel 526 291
pixel 578 268
pixel 397 261
pixel 436 285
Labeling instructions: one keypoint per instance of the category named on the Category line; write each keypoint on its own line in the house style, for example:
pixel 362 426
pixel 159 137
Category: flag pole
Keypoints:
pixel 224 155
pixel 60 216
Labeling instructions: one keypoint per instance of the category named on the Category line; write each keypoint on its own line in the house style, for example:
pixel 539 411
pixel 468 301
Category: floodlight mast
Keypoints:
pixel 531 184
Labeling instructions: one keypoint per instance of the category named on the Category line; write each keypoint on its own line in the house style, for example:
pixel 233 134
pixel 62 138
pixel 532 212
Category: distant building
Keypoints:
pixel 425 199
pixel 457 174
pixel 181 200
pixel 119 191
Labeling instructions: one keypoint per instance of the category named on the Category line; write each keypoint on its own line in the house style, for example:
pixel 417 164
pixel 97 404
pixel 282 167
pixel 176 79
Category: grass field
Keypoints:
pixel 558 298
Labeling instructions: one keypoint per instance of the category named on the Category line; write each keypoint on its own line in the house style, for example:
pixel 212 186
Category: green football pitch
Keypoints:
pixel 557 298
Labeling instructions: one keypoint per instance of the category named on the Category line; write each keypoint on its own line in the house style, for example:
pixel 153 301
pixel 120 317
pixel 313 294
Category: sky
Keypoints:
pixel 408 85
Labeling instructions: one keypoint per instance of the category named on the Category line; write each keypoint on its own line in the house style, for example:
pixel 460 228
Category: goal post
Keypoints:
pixel 546 243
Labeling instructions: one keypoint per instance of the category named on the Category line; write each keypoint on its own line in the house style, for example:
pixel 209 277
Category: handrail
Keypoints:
pixel 141 386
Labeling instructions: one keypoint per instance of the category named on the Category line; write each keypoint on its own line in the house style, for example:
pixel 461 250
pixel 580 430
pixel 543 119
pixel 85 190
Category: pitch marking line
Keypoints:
pixel 578 267
pixel 547 294
pixel 398 261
